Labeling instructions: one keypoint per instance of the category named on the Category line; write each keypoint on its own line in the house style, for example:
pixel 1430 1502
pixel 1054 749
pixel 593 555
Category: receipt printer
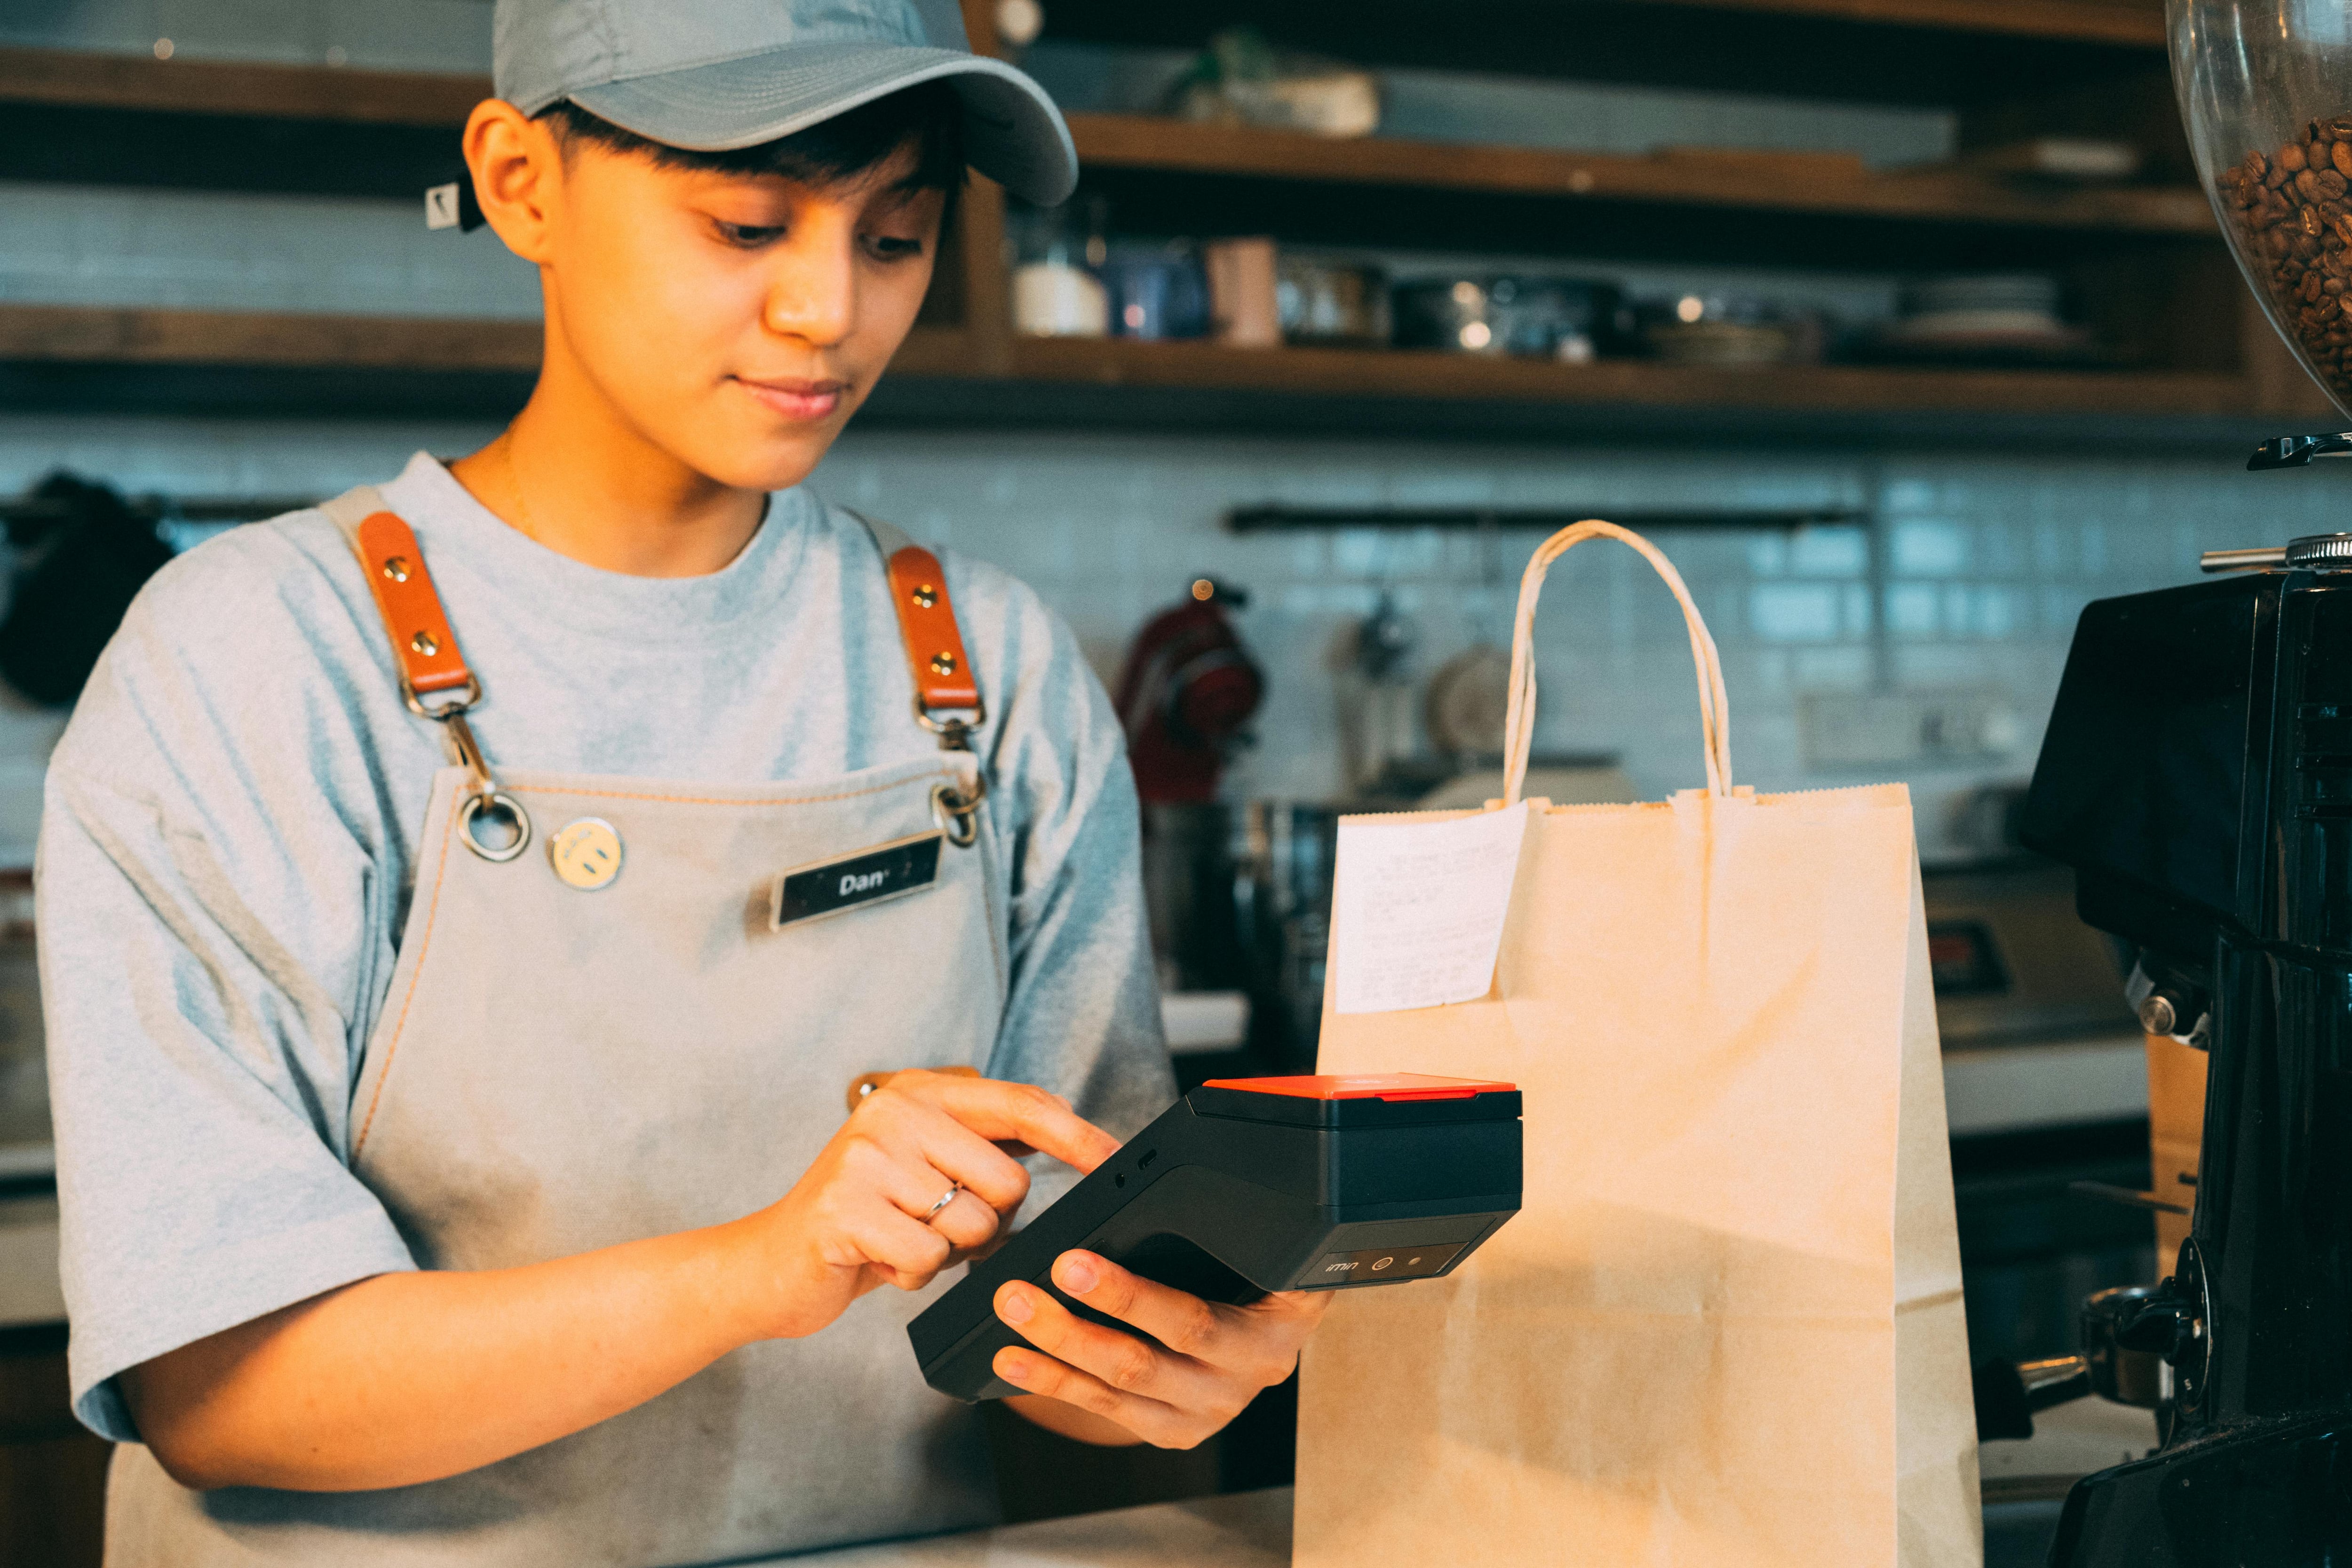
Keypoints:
pixel 1249 1186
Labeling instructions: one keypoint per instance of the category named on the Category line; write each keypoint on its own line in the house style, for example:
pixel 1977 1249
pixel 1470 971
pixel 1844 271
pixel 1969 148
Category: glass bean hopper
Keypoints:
pixel 2265 89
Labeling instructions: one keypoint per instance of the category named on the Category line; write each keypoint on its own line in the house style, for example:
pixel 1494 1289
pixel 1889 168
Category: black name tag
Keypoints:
pixel 868 877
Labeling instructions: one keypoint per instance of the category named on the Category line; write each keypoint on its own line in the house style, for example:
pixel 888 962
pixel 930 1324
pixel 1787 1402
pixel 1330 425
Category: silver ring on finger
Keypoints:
pixel 940 1207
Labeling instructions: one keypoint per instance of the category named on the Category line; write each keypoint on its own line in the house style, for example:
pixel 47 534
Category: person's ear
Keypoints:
pixel 517 168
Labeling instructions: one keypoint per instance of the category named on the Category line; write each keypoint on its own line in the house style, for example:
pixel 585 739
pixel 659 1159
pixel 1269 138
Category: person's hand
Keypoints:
pixel 1210 1361
pixel 862 1215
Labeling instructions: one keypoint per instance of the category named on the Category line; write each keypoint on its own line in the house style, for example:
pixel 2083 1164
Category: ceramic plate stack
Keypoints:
pixel 1995 316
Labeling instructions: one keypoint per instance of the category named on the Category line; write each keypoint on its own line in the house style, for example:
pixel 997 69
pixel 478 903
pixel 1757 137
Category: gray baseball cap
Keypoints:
pixel 712 75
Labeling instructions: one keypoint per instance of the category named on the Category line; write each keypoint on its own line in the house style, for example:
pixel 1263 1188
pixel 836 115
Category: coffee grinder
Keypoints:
pixel 2198 777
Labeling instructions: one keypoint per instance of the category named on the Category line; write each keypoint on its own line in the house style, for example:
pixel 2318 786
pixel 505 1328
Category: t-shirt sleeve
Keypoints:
pixel 1082 1016
pixel 205 895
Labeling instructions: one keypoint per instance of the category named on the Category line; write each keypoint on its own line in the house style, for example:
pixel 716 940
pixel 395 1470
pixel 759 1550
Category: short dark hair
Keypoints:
pixel 927 116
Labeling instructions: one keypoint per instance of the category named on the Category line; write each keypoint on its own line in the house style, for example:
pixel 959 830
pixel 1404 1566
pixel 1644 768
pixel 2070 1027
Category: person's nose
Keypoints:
pixel 813 294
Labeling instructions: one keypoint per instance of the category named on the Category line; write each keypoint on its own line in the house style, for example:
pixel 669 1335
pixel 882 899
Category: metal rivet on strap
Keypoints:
pixel 396 568
pixel 925 595
pixel 424 645
pixel 944 663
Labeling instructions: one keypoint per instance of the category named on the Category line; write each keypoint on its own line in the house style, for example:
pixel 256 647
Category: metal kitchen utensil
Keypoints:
pixel 1531 317
pixel 1331 302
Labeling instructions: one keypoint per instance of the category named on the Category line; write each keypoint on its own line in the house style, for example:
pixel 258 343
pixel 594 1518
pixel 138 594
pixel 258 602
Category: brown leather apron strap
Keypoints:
pixel 422 641
pixel 425 651
pixel 947 691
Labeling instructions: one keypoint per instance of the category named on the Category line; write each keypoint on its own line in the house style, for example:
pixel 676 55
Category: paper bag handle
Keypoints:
pixel 1714 707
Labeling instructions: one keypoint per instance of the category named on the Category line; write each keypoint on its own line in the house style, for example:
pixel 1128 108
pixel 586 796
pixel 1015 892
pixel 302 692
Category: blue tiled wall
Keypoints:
pixel 1986 560
pixel 1970 582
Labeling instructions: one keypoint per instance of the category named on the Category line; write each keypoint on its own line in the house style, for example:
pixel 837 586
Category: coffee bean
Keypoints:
pixel 2289 211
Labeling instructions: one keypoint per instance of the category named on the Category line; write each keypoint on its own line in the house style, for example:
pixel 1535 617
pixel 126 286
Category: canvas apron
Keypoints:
pixel 567 1064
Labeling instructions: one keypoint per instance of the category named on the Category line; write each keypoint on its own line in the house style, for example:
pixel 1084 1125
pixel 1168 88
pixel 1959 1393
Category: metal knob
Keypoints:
pixel 2129 1337
pixel 2312 553
pixel 2320 552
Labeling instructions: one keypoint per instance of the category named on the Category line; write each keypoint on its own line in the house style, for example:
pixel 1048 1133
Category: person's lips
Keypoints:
pixel 796 398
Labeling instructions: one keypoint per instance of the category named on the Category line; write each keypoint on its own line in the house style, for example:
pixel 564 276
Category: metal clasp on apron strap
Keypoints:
pixel 946 694
pixel 425 651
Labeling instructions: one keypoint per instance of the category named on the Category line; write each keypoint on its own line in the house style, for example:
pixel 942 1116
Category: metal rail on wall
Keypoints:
pixel 1546 519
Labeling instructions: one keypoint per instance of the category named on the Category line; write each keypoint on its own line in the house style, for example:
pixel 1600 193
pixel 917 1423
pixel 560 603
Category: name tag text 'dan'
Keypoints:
pixel 854 880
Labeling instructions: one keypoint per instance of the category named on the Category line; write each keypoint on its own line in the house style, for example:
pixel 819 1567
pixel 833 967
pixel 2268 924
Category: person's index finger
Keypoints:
pixel 1025 1114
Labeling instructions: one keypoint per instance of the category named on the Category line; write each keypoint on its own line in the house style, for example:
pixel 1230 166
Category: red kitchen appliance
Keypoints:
pixel 1186 695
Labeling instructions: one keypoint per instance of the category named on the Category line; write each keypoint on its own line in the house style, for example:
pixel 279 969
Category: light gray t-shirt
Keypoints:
pixel 231 827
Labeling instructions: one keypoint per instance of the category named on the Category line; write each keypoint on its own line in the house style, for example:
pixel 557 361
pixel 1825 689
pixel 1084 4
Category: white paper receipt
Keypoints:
pixel 1419 908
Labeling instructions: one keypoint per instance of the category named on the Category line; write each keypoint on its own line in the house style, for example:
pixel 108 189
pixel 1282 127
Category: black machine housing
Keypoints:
pixel 1253 1185
pixel 2198 777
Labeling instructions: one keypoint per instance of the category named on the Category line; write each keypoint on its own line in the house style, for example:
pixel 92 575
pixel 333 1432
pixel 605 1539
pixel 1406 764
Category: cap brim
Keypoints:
pixel 1012 133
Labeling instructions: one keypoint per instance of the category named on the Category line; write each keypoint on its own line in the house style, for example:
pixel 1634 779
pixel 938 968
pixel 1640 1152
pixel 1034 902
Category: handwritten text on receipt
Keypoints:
pixel 1419 908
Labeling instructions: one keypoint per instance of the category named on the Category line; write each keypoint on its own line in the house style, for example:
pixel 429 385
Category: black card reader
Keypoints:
pixel 1250 1185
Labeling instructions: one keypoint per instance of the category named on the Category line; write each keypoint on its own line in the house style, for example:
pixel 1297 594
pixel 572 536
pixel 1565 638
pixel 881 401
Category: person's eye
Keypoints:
pixel 893 248
pixel 749 237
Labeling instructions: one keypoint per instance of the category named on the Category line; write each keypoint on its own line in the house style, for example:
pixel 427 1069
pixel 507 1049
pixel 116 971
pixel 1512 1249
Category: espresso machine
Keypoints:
pixel 2197 776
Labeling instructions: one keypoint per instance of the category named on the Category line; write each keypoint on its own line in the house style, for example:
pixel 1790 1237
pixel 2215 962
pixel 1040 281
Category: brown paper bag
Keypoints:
pixel 1725 1327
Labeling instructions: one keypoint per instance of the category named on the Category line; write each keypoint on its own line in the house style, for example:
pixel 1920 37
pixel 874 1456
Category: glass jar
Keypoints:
pixel 2265 91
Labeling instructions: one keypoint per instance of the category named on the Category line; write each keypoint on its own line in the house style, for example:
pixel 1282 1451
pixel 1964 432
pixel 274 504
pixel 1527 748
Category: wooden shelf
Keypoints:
pixel 1422 375
pixel 98 335
pixel 84 80
pixel 1750 181
pixel 1759 182
pixel 2131 24
pixel 2146 259
pixel 2113 23
pixel 104 335
pixel 1939 53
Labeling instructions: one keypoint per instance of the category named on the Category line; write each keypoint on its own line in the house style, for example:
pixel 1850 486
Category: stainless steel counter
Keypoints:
pixel 1248 1529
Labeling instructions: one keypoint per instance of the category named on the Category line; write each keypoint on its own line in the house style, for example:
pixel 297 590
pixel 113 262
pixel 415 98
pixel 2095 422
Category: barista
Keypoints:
pixel 464 906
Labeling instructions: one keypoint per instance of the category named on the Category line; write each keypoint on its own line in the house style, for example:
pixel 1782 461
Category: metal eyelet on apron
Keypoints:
pixel 958 814
pixel 488 800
